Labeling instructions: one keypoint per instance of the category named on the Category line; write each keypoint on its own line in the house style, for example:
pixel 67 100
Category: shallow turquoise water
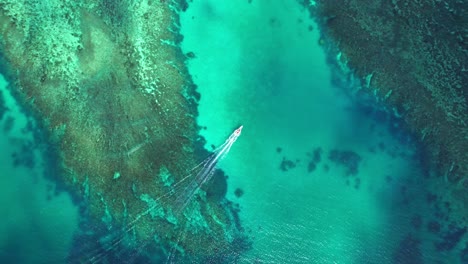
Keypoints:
pixel 259 65
pixel 37 223
pixel 328 175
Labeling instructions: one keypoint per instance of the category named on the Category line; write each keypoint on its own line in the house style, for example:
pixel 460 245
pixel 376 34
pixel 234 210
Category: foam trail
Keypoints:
pixel 202 175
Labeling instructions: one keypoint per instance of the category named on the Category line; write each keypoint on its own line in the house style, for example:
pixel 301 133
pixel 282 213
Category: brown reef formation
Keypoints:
pixel 414 55
pixel 109 82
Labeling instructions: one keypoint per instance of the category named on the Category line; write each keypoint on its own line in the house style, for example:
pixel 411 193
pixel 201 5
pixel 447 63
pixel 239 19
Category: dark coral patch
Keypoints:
pixel 311 166
pixel 287 164
pixel 216 189
pixel 316 157
pixel 348 159
pixel 239 192
pixel 25 157
pixel 8 124
pixel 450 239
pixel 408 252
pixel 190 55
pixel 317 154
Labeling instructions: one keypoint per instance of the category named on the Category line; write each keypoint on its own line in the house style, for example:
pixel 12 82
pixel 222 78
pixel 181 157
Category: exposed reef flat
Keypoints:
pixel 414 56
pixel 108 80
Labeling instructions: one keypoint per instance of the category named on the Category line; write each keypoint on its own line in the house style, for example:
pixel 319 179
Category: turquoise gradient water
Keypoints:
pixel 37 223
pixel 322 172
pixel 260 64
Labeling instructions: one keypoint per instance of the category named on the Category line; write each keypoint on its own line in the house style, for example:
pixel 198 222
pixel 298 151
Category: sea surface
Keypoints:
pixel 324 172
pixel 328 172
pixel 38 222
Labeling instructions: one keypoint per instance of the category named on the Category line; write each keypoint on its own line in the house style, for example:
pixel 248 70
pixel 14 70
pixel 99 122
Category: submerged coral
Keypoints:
pixel 348 159
pixel 110 84
pixel 412 55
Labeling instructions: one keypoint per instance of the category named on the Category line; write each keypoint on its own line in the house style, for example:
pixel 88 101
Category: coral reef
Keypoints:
pixel 348 159
pixel 287 164
pixel 316 157
pixel 413 55
pixel 408 251
pixel 108 80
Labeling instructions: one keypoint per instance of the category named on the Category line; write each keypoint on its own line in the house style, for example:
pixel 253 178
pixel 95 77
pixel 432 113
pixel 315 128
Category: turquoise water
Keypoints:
pixel 258 64
pixel 38 223
pixel 323 172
